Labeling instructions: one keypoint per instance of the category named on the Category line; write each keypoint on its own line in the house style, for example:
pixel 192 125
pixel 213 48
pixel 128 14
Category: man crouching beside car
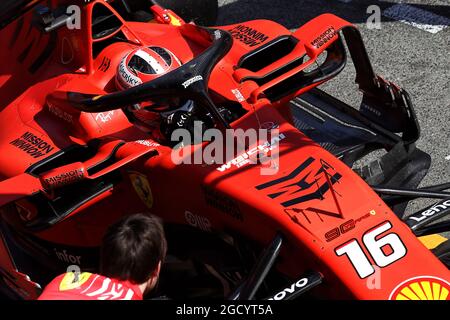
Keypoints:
pixel 132 252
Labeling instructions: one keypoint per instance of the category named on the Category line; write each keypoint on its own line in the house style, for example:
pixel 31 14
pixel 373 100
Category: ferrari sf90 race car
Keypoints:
pixel 98 100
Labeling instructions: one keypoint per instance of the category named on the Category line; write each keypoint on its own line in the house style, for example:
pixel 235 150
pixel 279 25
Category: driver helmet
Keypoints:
pixel 143 65
pixel 140 66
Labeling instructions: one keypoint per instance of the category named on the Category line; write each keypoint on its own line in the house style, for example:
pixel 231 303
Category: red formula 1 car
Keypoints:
pixel 76 156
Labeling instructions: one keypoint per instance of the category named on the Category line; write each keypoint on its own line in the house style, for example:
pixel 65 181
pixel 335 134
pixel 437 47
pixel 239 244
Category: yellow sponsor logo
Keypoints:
pixel 142 187
pixel 432 241
pixel 174 20
pixel 422 288
pixel 70 280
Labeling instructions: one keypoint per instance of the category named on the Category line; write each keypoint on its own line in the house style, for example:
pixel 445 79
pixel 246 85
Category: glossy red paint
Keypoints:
pixel 38 122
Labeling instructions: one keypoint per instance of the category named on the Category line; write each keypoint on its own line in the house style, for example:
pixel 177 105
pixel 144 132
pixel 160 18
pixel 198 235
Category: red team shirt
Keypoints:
pixel 89 286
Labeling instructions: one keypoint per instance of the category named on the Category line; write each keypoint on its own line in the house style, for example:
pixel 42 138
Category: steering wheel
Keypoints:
pixel 190 81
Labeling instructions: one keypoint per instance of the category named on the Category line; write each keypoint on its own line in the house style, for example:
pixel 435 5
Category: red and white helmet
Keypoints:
pixel 143 65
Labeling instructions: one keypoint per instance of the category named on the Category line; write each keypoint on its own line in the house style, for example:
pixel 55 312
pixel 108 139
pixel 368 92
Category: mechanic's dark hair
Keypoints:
pixel 132 248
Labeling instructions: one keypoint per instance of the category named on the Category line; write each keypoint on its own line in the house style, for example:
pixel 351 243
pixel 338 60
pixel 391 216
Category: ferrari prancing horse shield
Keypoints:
pixel 142 188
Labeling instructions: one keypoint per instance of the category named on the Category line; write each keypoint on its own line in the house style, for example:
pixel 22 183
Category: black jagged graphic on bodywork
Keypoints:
pixel 307 181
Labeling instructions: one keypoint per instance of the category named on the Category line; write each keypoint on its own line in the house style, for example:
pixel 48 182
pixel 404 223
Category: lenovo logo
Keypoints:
pixel 431 211
pixel 291 290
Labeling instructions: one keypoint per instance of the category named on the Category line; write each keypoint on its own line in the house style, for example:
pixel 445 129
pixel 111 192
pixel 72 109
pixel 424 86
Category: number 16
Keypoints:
pixel 374 246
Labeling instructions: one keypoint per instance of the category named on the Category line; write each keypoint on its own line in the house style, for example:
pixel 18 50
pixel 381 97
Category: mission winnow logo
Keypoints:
pixel 33 145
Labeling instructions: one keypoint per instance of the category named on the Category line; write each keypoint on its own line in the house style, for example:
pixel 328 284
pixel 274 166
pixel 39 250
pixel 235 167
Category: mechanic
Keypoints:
pixel 131 254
